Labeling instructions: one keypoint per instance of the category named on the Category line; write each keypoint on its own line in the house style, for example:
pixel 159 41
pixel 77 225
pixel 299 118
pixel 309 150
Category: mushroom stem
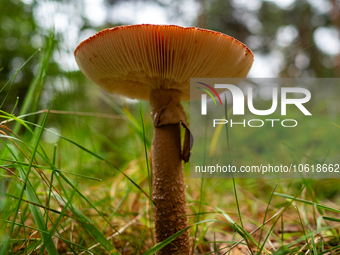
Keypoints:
pixel 168 186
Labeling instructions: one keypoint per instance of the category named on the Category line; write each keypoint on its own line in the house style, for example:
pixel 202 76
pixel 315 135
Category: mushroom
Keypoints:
pixel 155 63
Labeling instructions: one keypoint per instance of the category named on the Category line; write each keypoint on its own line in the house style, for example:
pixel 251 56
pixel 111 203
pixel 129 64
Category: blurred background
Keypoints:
pixel 289 38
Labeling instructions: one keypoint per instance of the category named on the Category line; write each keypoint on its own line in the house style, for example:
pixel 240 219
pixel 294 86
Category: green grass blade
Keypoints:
pixel 140 243
pixel 30 194
pixel 281 213
pixel 228 218
pixel 61 238
pixel 201 238
pixel 201 184
pixel 331 219
pixel 35 204
pixel 14 77
pixel 147 166
pixel 162 244
pixel 240 217
pixel 265 216
pixel 91 229
pixel 129 116
pixel 308 202
pixel 18 120
pixel 40 221
pixel 15 163
pixel 303 227
pixel 128 190
pixel 34 92
pixel 284 250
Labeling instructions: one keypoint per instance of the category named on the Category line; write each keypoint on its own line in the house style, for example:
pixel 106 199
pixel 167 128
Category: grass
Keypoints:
pixel 89 191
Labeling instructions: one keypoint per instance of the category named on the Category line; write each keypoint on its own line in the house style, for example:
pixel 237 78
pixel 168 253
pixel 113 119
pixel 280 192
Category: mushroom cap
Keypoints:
pixel 133 60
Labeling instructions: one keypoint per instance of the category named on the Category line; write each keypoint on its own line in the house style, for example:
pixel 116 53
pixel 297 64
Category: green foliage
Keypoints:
pixel 75 178
pixel 18 30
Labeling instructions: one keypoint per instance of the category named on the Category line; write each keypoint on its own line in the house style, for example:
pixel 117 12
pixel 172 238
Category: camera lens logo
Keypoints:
pixel 204 97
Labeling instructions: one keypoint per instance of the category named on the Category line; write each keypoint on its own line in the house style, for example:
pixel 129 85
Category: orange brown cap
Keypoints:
pixel 133 60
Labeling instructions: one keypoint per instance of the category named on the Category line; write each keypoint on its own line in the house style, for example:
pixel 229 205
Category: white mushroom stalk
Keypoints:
pixel 155 63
